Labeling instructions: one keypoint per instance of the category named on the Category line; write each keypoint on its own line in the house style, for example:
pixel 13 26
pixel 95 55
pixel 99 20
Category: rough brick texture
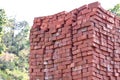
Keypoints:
pixel 83 44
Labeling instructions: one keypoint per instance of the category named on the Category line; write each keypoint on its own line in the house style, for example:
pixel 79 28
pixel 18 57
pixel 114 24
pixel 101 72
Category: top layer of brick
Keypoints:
pixel 90 10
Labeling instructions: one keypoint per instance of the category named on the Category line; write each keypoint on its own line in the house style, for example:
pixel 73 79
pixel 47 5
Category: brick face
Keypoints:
pixel 83 44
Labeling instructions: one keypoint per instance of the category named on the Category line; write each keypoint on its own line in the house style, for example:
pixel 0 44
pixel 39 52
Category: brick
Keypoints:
pixel 85 11
pixel 94 5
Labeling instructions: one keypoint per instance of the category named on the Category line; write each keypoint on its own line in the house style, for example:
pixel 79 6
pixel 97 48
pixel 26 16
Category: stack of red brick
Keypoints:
pixel 83 44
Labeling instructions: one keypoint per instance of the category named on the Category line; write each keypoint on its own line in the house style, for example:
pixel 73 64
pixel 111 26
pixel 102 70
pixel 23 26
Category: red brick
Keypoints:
pixel 94 5
pixel 85 11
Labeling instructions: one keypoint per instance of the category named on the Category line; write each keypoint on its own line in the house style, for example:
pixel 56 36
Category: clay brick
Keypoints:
pixel 94 5
pixel 85 11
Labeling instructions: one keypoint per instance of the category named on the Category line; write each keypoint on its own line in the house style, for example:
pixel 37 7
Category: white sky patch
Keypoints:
pixel 28 9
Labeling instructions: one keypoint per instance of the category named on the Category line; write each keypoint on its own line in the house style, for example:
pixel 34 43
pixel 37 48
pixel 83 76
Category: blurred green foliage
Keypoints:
pixel 14 48
pixel 3 21
pixel 116 9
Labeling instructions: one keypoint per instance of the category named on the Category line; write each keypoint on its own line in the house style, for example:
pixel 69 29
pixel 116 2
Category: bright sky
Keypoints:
pixel 28 9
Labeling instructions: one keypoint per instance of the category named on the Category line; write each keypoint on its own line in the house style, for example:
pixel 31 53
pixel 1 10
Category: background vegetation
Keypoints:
pixel 14 47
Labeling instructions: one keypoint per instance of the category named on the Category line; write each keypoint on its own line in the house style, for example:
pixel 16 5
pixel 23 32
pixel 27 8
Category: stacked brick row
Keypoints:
pixel 106 45
pixel 82 44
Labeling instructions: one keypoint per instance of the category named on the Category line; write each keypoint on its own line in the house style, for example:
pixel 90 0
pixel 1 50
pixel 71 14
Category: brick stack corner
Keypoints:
pixel 83 44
